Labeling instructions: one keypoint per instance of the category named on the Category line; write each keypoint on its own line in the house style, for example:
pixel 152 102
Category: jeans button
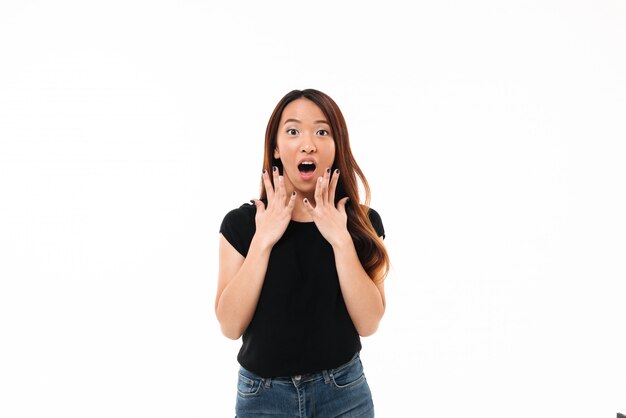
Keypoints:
pixel 297 377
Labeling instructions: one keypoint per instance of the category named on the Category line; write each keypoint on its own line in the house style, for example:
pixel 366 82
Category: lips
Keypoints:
pixel 307 168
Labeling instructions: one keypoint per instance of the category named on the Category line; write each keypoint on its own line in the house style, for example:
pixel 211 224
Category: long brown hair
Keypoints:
pixel 371 252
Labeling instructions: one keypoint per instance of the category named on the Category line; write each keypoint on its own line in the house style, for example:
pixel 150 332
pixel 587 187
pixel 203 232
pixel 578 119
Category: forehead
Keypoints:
pixel 302 109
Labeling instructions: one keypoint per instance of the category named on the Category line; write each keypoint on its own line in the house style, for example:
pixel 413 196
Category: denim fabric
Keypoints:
pixel 341 392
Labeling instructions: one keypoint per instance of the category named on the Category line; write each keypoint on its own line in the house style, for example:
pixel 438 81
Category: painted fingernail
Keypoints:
pixel 264 171
pixel 293 193
pixel 337 171
pixel 328 170
pixel 274 169
pixel 306 200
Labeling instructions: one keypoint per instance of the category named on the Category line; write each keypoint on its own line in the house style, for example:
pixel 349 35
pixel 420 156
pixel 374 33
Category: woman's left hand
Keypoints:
pixel 330 220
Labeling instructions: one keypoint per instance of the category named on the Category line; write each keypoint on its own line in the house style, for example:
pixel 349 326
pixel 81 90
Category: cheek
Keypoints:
pixel 282 148
pixel 331 152
pixel 287 156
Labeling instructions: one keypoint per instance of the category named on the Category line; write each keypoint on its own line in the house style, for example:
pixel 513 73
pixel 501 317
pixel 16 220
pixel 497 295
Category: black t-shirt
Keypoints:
pixel 301 324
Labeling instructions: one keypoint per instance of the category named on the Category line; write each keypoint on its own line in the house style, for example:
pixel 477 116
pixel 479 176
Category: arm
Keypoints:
pixel 241 278
pixel 364 300
pixel 239 285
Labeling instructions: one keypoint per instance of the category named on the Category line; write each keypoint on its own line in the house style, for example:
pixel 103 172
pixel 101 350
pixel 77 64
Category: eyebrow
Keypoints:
pixel 298 121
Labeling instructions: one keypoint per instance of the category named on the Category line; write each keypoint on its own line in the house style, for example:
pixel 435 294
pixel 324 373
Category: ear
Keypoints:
pixel 276 154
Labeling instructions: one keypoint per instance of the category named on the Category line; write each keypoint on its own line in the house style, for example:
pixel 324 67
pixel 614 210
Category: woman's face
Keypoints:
pixel 304 144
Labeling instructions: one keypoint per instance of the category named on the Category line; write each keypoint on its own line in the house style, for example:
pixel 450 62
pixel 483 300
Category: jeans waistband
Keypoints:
pixel 307 377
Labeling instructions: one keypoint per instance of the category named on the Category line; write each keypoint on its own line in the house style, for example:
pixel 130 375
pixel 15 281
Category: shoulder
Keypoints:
pixel 373 215
pixel 238 227
pixel 376 221
pixel 243 213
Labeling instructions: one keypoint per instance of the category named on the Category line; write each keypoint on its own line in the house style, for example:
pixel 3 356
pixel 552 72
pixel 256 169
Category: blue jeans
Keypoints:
pixel 340 392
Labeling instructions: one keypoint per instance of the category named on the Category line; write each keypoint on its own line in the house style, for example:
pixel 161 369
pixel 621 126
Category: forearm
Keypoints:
pixel 238 300
pixel 363 299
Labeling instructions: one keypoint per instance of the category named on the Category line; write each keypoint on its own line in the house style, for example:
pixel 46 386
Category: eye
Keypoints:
pixel 323 132
pixel 292 131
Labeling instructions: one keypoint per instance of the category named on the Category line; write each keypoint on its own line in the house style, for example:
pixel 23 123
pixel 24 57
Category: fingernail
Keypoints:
pixel 293 193
pixel 264 171
pixel 337 171
pixel 306 200
pixel 328 170
pixel 274 168
pixel 252 201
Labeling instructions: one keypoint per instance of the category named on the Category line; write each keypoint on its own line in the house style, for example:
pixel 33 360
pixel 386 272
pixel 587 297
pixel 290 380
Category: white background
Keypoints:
pixel 492 134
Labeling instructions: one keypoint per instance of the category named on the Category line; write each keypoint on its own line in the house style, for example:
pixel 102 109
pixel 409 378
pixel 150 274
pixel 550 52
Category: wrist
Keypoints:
pixel 343 241
pixel 262 242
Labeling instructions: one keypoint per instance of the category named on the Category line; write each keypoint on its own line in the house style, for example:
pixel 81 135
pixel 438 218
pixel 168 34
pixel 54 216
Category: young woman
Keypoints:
pixel 301 270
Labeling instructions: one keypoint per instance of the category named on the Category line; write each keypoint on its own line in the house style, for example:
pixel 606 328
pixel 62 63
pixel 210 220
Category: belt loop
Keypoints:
pixel 326 376
pixel 268 382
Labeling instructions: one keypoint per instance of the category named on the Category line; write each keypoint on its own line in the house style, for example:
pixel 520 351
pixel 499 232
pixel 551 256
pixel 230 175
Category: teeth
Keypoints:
pixel 307 162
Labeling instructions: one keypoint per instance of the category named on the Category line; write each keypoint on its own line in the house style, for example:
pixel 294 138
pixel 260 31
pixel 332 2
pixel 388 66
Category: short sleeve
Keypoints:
pixel 238 227
pixel 377 223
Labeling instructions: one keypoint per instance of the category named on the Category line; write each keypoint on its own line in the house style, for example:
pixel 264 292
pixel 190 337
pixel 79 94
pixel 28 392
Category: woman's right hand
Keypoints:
pixel 272 221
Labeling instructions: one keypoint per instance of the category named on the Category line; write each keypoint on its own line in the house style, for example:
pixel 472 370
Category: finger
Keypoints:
pixel 260 207
pixel 269 189
pixel 341 205
pixel 292 202
pixel 275 176
pixel 319 188
pixel 326 184
pixel 307 205
pixel 280 189
pixel 332 187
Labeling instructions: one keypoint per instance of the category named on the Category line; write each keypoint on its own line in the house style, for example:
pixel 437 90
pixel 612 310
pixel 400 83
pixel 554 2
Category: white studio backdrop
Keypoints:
pixel 492 134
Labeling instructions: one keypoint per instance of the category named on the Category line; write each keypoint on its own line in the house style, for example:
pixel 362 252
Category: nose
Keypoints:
pixel 307 146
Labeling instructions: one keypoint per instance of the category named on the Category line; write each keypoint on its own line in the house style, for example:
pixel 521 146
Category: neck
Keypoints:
pixel 300 214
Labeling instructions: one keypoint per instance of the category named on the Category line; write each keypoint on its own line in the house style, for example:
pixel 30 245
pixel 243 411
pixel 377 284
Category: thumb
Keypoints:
pixel 341 205
pixel 260 207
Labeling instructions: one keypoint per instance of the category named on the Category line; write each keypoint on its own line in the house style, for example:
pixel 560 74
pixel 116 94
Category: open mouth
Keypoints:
pixel 306 167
